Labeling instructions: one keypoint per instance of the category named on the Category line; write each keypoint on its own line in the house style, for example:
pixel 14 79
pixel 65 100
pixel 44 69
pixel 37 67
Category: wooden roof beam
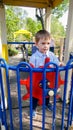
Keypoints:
pixel 28 3
pixel 33 3
pixel 57 2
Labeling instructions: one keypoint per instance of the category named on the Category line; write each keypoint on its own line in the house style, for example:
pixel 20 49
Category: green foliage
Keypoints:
pixel 61 9
pixel 12 52
pixel 32 25
pixel 15 22
pixel 29 52
pixel 17 19
pixel 57 29
pixel 12 22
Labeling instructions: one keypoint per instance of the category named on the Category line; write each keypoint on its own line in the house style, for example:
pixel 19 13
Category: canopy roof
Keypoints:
pixel 33 3
pixel 22 32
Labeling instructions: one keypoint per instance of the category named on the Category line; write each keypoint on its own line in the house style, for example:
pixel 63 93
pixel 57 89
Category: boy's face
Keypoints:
pixel 43 45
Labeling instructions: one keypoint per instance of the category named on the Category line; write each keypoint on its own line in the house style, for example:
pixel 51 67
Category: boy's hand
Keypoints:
pixel 61 64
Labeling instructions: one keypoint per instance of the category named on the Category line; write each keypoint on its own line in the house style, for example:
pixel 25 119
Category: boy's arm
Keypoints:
pixel 58 62
pixel 32 61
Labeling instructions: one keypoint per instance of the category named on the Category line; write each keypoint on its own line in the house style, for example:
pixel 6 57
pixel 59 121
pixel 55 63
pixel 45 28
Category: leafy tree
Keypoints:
pixel 61 9
pixel 57 28
pixel 22 14
pixel 12 23
pixel 17 19
pixel 32 25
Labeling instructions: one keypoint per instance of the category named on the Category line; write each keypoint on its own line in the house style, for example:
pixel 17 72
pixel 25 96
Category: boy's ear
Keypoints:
pixel 36 44
pixel 50 39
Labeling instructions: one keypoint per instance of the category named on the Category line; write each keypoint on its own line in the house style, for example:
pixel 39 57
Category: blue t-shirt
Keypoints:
pixel 38 58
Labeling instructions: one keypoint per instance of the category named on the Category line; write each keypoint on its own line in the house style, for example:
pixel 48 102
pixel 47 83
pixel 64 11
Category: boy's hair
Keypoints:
pixel 42 34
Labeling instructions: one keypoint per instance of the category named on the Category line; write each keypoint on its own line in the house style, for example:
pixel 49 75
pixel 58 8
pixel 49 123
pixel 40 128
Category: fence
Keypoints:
pixel 66 119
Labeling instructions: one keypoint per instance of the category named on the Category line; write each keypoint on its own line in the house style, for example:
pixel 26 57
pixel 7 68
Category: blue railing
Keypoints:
pixel 23 48
pixel 20 43
pixel 25 67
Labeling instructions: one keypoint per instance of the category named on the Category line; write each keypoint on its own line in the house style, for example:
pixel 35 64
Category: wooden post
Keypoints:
pixel 3 47
pixel 69 41
pixel 48 19
pixel 61 48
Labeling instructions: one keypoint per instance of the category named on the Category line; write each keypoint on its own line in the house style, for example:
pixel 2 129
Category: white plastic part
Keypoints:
pixel 51 93
pixel 6 105
pixel 2 127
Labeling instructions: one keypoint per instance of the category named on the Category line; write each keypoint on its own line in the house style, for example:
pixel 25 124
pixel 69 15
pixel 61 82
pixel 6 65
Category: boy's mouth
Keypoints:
pixel 45 49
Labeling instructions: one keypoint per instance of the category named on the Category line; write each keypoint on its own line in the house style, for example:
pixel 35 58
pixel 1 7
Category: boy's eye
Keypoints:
pixel 45 43
pixel 48 43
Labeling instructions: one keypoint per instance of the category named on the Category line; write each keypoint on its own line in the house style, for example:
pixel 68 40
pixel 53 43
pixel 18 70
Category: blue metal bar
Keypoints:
pixel 71 96
pixel 21 67
pixel 72 102
pixel 11 67
pixel 65 89
pixel 9 97
pixel 31 127
pixel 20 43
pixel 2 105
pixel 64 99
pixel 70 105
pixel 0 113
pixel 19 97
pixel 71 121
pixel 19 93
pixel 55 92
pixel 72 111
pixel 43 96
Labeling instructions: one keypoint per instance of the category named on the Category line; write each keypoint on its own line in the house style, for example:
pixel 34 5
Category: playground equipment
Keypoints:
pixel 68 45
pixel 37 84
pixel 23 48
pixel 65 123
